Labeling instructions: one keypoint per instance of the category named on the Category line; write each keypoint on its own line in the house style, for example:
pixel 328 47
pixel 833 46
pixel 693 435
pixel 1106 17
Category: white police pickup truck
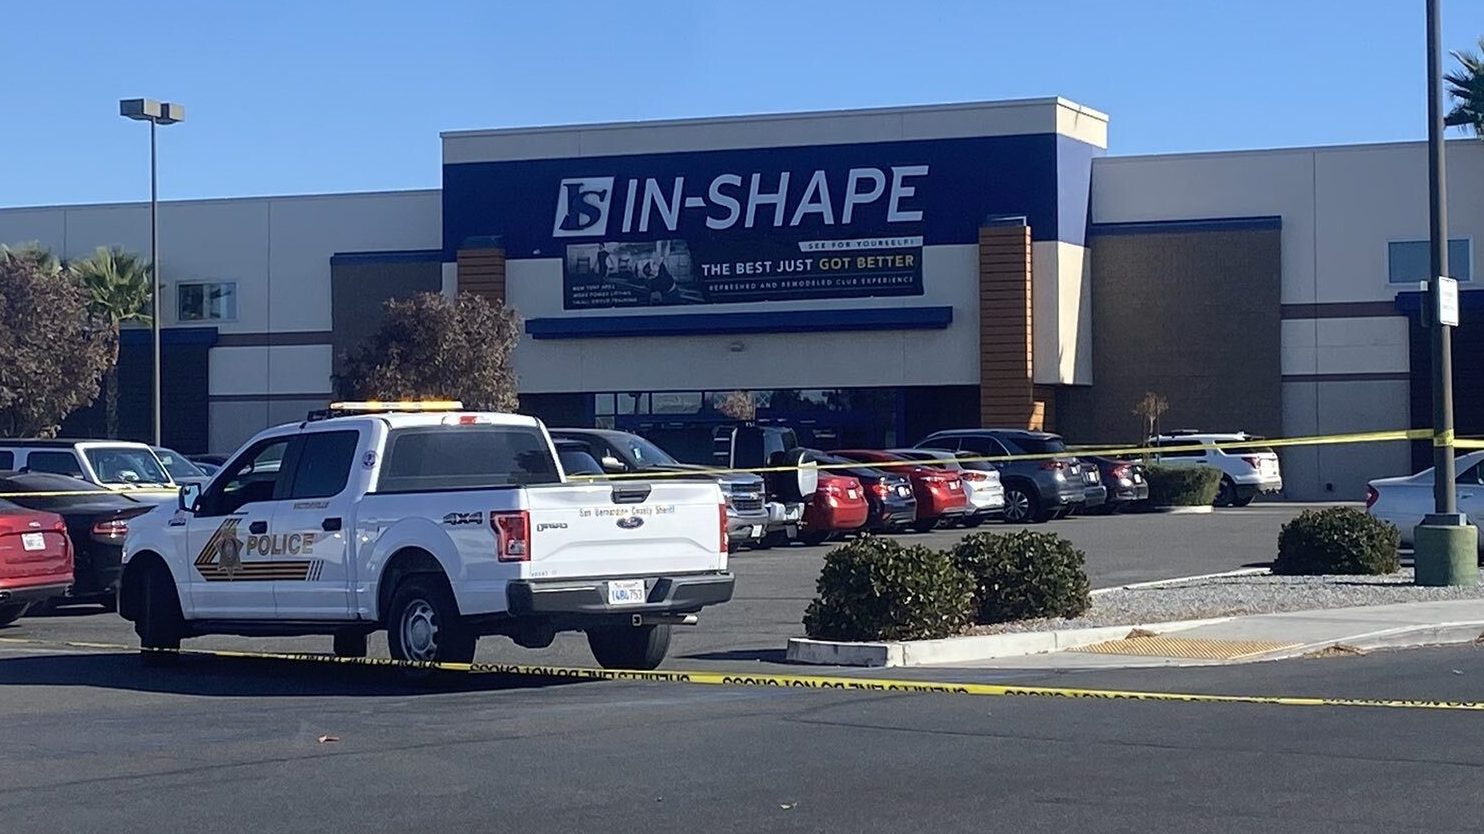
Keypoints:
pixel 439 526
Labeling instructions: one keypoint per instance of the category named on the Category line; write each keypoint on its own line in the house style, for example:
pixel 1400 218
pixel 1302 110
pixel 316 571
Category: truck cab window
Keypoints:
pixel 251 478
pixel 324 465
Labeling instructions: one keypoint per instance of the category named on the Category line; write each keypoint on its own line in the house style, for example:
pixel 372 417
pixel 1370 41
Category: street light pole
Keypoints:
pixel 156 113
pixel 1446 551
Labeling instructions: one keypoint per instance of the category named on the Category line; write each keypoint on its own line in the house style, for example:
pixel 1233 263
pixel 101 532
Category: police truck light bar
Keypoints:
pixel 340 409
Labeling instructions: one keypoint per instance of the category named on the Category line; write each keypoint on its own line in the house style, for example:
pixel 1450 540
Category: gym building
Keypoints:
pixel 866 277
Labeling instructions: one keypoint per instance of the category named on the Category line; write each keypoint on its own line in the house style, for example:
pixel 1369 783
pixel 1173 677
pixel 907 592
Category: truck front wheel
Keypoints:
pixel 159 623
pixel 629 647
pixel 423 623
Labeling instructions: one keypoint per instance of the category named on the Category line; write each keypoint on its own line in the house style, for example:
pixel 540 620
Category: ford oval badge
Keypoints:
pixel 632 522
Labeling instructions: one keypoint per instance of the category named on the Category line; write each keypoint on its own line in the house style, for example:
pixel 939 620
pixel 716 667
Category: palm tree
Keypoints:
pixel 1466 88
pixel 118 284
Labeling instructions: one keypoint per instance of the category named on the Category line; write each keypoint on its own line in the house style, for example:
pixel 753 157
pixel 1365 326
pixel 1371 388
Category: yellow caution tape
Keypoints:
pixel 835 682
pixel 1443 438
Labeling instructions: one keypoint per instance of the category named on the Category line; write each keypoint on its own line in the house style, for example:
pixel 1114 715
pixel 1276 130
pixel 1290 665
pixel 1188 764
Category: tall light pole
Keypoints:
pixel 156 113
pixel 1446 547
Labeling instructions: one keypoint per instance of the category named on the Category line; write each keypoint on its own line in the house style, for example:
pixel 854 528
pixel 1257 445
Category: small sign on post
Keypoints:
pixel 1447 301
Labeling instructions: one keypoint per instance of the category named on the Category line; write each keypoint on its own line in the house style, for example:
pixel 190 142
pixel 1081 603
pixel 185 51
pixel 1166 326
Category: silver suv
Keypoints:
pixel 1035 490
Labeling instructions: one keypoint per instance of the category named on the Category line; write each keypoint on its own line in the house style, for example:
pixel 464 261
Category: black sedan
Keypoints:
pixel 892 504
pixel 96 524
pixel 1127 481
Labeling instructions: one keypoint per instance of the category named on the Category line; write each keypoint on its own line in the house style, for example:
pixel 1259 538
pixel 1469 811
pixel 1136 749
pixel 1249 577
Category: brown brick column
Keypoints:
pixel 482 272
pixel 1007 395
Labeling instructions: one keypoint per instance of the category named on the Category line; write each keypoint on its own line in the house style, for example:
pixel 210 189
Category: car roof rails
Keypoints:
pixel 350 408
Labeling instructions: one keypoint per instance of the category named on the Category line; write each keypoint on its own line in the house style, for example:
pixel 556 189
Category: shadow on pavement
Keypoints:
pixel 247 677
pixel 764 655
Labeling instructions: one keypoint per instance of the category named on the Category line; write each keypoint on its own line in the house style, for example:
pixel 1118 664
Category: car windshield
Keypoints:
pixel 178 466
pixel 646 454
pixel 126 465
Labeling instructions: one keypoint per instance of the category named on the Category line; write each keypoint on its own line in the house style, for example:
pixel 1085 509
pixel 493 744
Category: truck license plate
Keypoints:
pixel 626 592
pixel 755 531
pixel 33 541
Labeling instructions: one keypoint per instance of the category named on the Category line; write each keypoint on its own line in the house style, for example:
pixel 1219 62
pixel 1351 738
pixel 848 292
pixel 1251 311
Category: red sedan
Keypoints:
pixel 838 506
pixel 35 559
pixel 940 492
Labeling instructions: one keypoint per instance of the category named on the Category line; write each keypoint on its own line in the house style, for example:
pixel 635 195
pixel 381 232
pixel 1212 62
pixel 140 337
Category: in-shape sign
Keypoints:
pixel 776 200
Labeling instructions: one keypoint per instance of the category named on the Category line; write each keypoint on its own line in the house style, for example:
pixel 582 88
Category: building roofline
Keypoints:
pixel 1350 146
pixel 200 200
pixel 800 115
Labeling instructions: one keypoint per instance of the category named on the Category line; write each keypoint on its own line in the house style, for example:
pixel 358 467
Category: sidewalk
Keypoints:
pixel 1266 637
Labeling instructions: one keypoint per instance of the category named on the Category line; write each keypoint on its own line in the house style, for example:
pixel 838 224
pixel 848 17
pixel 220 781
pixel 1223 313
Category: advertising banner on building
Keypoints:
pixel 611 274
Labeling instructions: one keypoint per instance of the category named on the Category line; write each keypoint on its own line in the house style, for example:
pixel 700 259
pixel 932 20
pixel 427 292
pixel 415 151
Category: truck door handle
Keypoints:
pixel 330 525
pixel 258 528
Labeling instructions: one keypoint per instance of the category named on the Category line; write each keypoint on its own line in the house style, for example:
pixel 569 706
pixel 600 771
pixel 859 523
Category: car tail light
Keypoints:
pixel 1121 470
pixel 1054 464
pixel 112 529
pixel 881 490
pixel 1253 461
pixel 1371 497
pixel 726 540
pixel 971 475
pixel 513 535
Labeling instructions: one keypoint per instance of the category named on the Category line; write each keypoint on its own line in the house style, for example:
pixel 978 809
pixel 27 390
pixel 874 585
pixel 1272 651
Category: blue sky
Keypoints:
pixel 303 96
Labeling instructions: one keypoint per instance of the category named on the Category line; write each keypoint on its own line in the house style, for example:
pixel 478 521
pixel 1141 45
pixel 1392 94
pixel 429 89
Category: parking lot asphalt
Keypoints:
pixel 775 586
pixel 94 742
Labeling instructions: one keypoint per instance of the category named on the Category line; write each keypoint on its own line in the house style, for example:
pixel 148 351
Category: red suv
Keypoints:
pixel 940 492
pixel 838 506
pixel 35 559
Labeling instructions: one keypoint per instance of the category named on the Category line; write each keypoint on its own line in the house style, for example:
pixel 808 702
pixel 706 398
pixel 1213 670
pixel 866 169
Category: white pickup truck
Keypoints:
pixel 439 527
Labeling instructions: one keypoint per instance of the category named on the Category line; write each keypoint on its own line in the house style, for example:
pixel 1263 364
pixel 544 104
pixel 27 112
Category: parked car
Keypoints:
pixel 1094 493
pixel 890 502
pixel 440 526
pixel 1127 481
pixel 182 469
pixel 981 482
pixel 35 559
pixel 109 464
pixel 837 507
pixel 1246 472
pixel 1404 500
pixel 208 463
pixel 941 497
pixel 96 527
pixel 1036 490
pixel 618 452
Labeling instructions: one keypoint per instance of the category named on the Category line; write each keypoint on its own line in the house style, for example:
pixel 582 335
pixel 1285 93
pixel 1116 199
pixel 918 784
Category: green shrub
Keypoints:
pixel 877 589
pixel 1183 486
pixel 1337 540
pixel 1022 575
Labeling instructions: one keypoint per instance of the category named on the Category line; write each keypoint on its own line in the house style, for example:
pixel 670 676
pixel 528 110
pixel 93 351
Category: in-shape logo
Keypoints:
pixel 632 522
pixel 582 206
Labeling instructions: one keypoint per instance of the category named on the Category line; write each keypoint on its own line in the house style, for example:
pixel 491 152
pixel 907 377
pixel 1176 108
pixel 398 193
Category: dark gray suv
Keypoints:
pixel 1035 490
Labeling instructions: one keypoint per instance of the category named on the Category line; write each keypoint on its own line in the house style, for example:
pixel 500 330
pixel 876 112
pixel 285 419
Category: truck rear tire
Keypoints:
pixel 423 623
pixel 160 622
pixel 630 647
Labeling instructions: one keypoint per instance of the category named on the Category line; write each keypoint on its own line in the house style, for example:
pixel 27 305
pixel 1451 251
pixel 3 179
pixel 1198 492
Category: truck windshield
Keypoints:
pixel 126 465
pixel 463 457
pixel 645 454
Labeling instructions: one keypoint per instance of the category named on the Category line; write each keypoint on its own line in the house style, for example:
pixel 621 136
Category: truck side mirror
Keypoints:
pixel 187 496
pixel 612 464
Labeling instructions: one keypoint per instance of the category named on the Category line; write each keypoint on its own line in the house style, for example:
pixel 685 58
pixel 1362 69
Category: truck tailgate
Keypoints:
pixel 625 528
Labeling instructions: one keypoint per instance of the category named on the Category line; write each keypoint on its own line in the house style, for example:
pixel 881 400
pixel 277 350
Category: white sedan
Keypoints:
pixel 1404 500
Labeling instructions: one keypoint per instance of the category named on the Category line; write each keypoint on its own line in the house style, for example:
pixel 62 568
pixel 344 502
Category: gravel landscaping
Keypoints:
pixel 1238 595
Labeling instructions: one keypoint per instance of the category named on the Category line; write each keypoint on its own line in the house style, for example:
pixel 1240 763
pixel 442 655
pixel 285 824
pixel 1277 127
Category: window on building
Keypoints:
pixel 1410 261
pixel 206 301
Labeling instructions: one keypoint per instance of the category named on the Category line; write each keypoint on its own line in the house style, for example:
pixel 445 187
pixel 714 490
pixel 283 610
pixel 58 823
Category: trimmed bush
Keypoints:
pixel 1183 486
pixel 876 589
pixel 1022 575
pixel 1337 540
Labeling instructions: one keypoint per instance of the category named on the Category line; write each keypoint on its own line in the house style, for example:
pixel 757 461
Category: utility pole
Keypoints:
pixel 1447 548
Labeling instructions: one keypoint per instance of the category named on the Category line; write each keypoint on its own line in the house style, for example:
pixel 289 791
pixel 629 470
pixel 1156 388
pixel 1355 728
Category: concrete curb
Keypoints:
pixel 1182 580
pixel 968 649
pixel 1200 510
